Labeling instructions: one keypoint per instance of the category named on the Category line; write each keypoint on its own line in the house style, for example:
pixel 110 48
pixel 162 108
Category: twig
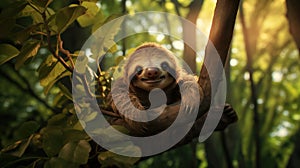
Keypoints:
pixel 98 66
pixel 177 5
pixel 39 33
pixel 64 51
pixel 60 59
pixel 85 84
pixel 37 10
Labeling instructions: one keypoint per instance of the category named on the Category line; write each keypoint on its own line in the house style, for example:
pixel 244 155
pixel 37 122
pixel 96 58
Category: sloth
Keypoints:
pixel 148 68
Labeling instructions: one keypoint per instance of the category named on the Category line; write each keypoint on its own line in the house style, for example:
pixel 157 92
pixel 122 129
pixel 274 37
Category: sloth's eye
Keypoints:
pixel 164 66
pixel 138 70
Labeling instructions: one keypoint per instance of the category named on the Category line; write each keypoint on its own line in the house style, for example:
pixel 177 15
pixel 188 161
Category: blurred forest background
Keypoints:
pixel 38 123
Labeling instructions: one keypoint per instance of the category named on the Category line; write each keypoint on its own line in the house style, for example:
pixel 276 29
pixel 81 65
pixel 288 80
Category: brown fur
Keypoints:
pixel 152 54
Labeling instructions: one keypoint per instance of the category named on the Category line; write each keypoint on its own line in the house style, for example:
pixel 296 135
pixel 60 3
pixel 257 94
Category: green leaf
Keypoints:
pixel 90 16
pixel 7 24
pixel 59 163
pixel 7 52
pixel 109 158
pixel 121 129
pixel 26 129
pixel 21 36
pixel 108 137
pixel 53 140
pixel 113 49
pixel 119 59
pixel 39 6
pixel 76 152
pixel 65 91
pixel 80 125
pixel 50 85
pixel 81 64
pixel 66 16
pixel 74 135
pixel 58 120
pixel 101 22
pixel 13 9
pixel 41 3
pixel 60 100
pixel 29 50
pixel 36 17
pixel 50 71
pixel 90 116
pixel 106 36
pixel 127 147
pixel 46 66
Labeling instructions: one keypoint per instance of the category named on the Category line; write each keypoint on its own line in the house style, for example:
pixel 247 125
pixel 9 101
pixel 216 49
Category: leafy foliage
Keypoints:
pixel 8 52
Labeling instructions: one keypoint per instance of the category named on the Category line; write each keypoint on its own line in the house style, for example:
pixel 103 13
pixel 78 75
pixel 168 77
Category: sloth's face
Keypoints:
pixel 150 73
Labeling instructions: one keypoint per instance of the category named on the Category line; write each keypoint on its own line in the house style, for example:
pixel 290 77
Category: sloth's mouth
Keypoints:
pixel 152 81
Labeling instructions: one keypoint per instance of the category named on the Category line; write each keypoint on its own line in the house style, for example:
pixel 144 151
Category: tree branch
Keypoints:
pixel 177 5
pixel 60 59
pixel 124 12
pixel 64 51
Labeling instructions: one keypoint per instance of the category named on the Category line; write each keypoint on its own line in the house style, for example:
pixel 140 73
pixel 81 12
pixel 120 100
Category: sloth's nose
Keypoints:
pixel 152 72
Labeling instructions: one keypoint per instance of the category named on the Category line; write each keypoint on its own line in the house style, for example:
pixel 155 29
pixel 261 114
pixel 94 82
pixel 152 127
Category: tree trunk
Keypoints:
pixel 189 34
pixel 294 160
pixel 293 16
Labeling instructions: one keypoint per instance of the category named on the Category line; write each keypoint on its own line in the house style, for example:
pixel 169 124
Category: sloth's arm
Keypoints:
pixel 166 119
